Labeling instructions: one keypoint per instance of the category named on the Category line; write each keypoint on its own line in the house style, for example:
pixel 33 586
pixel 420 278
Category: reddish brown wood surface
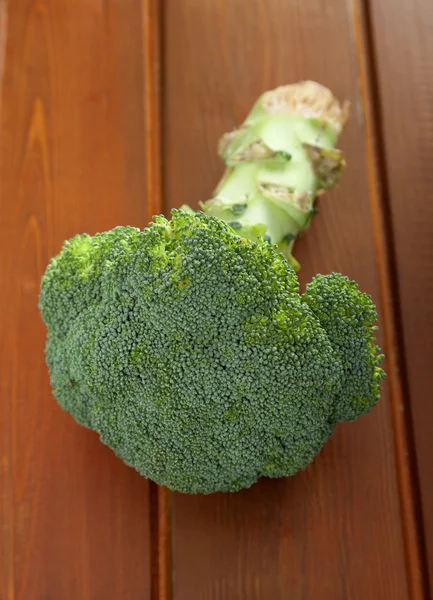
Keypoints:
pixel 74 520
pixel 107 109
pixel 407 472
pixel 403 47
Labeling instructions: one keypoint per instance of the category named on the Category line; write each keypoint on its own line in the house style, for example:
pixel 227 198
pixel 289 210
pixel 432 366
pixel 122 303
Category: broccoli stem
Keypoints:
pixel 278 162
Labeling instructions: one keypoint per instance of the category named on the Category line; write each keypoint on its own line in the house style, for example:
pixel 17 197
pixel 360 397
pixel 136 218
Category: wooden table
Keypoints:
pixel 110 113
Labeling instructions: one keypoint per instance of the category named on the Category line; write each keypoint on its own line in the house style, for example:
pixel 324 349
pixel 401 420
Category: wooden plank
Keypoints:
pixel 334 531
pixel 379 201
pixel 403 46
pixel 74 519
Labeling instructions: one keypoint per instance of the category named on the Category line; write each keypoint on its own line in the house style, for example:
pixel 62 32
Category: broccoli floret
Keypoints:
pixel 349 318
pixel 192 354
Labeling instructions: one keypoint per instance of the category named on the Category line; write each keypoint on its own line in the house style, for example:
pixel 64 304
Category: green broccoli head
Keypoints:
pixel 191 352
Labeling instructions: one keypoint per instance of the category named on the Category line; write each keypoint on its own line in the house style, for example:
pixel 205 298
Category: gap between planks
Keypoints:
pixel 407 474
pixel 160 497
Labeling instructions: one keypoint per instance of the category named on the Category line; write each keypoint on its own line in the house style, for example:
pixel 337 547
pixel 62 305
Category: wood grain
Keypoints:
pixel 418 585
pixel 403 46
pixel 110 112
pixel 74 519
pixel 334 531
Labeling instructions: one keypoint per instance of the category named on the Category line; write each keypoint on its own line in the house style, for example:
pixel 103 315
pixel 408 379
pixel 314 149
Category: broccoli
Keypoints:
pixel 278 162
pixel 191 352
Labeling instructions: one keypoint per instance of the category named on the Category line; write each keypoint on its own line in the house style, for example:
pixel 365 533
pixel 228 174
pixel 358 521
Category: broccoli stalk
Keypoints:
pixel 278 162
